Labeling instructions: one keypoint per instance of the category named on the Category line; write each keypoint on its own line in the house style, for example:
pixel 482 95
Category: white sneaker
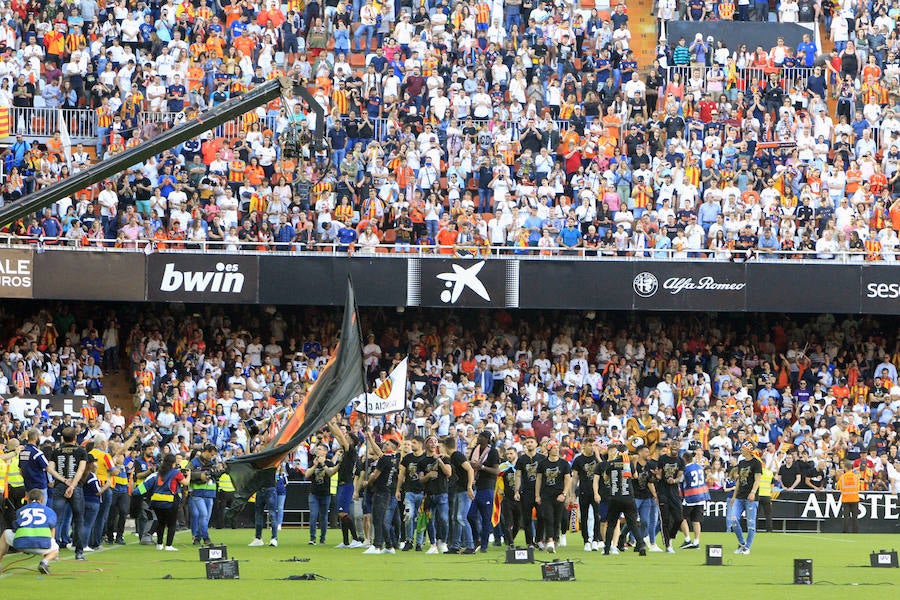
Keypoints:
pixel 551 547
pixel 491 538
pixel 342 545
pixel 745 550
pixel 273 542
pixel 670 549
pixel 442 547
pixel 588 547
pixel 595 546
pixel 159 546
pixel 432 550
pixel 372 550
pixel 355 544
pixel 87 549
pixel 614 551
pixel 740 550
pixel 541 546
pixel 389 551
pixel 562 541
pixel 654 548
pixel 402 545
pixel 695 545
pixel 367 543
pixel 255 543
pixel 171 549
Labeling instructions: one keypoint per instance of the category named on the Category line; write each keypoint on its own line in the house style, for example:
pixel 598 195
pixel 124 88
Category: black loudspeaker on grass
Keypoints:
pixel 714 555
pixel 223 569
pixel 803 571
pixel 884 559
pixel 208 553
pixel 561 570
pixel 519 556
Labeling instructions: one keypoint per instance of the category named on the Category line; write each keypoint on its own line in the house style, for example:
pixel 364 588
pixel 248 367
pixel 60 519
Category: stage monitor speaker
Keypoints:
pixel 803 571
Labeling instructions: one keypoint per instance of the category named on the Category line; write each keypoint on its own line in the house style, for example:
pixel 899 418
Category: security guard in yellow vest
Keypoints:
pixel 224 498
pixel 14 486
pixel 764 495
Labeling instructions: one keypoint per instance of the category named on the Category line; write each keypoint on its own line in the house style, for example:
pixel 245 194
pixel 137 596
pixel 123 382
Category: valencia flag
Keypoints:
pixel 341 380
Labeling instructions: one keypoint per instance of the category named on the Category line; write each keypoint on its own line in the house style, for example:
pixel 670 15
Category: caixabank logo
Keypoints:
pixel 441 282
pixel 199 278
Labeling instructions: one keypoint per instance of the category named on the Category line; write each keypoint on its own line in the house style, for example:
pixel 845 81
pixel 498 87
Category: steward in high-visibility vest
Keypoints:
pixel 764 495
pixel 848 484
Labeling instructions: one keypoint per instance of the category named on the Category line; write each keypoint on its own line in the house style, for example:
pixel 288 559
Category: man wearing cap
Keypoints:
pixel 743 500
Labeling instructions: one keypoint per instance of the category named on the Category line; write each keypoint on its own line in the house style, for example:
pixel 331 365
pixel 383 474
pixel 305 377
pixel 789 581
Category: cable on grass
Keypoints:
pixel 295 559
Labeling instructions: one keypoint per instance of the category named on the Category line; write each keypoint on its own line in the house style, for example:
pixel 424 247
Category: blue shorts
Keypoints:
pixel 344 497
pixel 367 503
pixel 603 510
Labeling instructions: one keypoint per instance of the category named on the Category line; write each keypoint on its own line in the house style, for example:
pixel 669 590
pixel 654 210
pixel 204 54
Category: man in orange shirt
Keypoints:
pixel 446 238
pixel 894 215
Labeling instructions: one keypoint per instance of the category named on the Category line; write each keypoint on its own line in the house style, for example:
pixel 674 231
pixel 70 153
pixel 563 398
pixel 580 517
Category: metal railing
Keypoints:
pixel 400 250
pixel 744 80
pixel 44 122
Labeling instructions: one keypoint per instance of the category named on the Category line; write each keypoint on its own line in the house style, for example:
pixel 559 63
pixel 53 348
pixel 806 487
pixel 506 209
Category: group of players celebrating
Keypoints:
pixel 626 494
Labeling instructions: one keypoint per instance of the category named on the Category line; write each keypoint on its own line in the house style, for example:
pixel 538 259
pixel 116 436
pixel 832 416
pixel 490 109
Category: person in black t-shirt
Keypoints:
pixel 526 475
pixel 346 472
pixel 437 471
pixel 319 475
pixel 583 468
pixel 66 466
pixel 553 481
pixel 463 479
pixel 668 488
pixel 615 473
pixel 743 501
pixel 789 474
pixel 383 482
pixel 510 509
pixel 411 474
pixel 484 460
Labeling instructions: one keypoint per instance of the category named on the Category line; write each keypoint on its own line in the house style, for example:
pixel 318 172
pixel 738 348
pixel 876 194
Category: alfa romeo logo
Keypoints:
pixel 645 284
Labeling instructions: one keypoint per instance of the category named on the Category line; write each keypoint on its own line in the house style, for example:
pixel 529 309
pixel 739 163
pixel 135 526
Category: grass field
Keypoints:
pixel 133 570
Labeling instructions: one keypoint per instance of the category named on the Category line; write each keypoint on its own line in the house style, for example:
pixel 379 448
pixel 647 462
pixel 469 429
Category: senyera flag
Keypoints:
pixel 389 396
pixel 341 380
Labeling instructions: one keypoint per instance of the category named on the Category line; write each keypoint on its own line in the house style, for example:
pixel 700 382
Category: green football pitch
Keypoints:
pixel 840 570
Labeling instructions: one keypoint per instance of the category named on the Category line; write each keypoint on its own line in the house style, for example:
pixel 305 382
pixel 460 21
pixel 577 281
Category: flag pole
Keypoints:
pixel 351 296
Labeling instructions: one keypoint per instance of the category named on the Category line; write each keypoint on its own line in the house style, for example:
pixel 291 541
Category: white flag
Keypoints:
pixel 389 396
pixel 64 136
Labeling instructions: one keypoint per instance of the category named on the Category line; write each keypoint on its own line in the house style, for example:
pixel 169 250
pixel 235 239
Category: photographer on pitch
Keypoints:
pixel 203 492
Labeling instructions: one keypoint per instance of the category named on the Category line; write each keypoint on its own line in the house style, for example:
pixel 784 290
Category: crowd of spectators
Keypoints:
pixel 463 125
pixel 818 388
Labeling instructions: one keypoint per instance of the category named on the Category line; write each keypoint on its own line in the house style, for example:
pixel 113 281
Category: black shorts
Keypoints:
pixel 694 513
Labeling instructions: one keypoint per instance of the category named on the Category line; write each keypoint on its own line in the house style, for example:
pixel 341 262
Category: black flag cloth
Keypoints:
pixel 341 380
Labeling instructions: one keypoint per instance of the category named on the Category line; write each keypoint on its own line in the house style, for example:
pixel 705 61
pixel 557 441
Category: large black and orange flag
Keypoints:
pixel 341 380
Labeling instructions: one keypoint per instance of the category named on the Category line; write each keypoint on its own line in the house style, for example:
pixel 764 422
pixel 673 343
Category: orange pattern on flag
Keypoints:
pixel 383 391
pixel 5 128
pixel 498 500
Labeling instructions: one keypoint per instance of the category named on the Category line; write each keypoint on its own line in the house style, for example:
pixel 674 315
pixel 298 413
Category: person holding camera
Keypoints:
pixel 203 493
pixel 163 489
